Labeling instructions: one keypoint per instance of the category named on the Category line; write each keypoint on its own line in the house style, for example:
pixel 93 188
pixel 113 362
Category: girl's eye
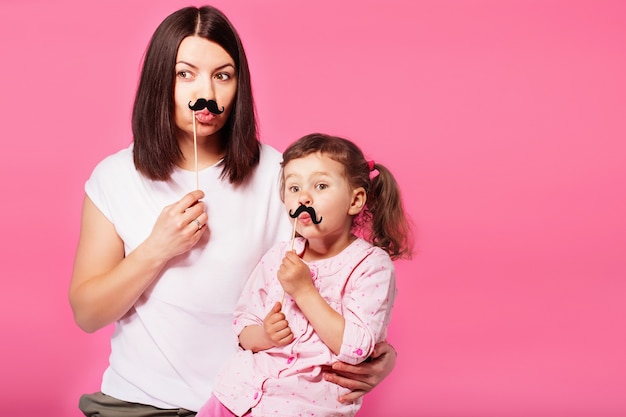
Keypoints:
pixel 294 188
pixel 322 186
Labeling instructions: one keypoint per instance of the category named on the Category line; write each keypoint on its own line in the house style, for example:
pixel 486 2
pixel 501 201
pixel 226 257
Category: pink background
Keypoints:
pixel 504 122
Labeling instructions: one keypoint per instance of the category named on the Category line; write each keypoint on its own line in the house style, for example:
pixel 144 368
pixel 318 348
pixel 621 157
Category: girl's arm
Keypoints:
pixel 295 277
pixel 106 284
pixel 364 377
pixel 254 338
pixel 372 289
pixel 274 332
pixel 327 323
pixel 259 329
pixel 377 280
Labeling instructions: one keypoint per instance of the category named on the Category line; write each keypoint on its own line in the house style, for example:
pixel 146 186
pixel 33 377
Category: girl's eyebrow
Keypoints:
pixel 317 174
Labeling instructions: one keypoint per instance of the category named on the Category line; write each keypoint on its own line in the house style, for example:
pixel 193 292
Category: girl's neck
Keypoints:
pixel 317 249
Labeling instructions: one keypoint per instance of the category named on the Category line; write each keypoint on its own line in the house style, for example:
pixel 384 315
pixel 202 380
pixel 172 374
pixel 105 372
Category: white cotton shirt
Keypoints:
pixel 168 348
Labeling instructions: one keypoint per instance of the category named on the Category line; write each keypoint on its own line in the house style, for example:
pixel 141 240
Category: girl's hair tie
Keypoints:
pixel 373 171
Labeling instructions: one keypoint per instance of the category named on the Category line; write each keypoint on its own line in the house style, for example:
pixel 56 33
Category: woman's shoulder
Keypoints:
pixel 115 169
pixel 116 161
pixel 268 169
pixel 270 155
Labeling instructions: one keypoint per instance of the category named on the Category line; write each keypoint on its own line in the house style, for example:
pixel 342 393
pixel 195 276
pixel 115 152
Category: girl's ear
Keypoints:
pixel 359 197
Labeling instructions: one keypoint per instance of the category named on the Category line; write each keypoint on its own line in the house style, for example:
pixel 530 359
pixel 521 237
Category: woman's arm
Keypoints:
pixel 105 284
pixel 364 377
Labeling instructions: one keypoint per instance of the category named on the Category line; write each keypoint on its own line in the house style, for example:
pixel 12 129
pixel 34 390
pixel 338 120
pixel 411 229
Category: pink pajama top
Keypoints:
pixel 287 381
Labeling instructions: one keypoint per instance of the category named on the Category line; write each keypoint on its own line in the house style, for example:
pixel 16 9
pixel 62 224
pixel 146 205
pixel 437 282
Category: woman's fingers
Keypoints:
pixel 189 200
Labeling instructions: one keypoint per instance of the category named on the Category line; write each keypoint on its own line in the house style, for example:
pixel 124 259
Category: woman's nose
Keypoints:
pixel 205 88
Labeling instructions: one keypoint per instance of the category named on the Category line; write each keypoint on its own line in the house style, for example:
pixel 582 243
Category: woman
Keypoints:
pixel 168 270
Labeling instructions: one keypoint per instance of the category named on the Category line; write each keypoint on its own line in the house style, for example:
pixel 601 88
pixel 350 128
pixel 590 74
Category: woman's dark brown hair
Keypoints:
pixel 383 222
pixel 156 149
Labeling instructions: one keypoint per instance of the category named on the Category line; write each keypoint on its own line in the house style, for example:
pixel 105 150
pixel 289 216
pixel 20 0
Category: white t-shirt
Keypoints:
pixel 167 349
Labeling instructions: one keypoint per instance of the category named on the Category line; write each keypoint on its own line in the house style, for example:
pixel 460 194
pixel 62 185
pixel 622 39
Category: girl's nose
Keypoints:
pixel 304 198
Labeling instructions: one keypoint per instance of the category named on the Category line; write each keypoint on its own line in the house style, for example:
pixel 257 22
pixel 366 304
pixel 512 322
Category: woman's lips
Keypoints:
pixel 204 116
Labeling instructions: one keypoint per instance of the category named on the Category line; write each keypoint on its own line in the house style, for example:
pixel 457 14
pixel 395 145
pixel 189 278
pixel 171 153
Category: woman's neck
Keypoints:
pixel 209 150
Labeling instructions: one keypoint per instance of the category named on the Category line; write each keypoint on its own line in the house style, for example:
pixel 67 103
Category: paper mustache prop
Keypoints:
pixel 305 209
pixel 210 105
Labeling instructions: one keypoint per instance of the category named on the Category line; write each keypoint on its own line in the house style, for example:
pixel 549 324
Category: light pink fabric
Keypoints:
pixel 214 408
pixel 288 381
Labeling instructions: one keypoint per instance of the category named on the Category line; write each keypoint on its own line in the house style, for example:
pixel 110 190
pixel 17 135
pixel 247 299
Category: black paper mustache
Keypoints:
pixel 211 105
pixel 301 209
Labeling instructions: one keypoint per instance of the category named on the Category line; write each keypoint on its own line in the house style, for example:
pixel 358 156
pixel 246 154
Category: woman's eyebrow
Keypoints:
pixel 186 63
pixel 224 66
pixel 228 64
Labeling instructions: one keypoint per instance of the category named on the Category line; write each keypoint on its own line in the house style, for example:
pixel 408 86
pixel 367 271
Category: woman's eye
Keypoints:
pixel 223 76
pixel 183 74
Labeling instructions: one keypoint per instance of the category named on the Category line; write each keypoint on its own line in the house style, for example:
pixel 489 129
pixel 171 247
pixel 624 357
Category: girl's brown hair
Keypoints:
pixel 155 149
pixel 383 221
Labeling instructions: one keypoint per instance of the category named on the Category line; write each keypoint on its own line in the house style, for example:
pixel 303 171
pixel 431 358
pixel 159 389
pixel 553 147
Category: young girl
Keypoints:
pixel 329 293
